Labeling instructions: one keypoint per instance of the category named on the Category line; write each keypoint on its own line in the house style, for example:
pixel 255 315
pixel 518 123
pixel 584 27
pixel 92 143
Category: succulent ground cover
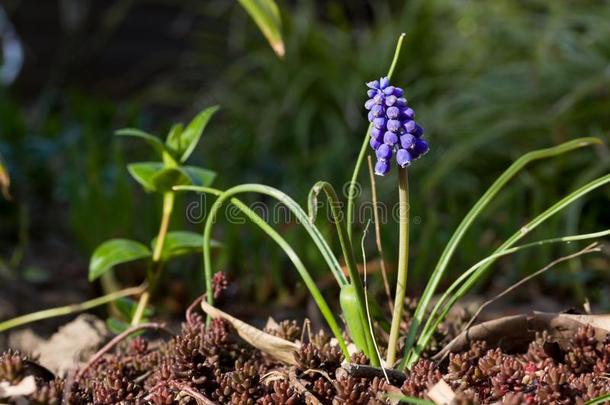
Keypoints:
pixel 211 364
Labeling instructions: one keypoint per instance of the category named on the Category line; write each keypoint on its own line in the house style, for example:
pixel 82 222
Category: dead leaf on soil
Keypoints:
pixel 281 349
pixel 26 386
pixel 441 393
pixel 514 333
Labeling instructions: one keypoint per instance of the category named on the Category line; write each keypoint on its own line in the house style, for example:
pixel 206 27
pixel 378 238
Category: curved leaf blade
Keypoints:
pixel 152 140
pixel 266 15
pixel 114 252
pixel 189 138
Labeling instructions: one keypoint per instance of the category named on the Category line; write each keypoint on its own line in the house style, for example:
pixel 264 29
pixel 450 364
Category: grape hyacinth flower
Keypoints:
pixel 394 132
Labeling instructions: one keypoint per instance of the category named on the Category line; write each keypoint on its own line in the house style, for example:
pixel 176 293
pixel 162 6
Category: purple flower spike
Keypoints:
pixel 403 158
pixel 384 152
pixel 394 131
pixel 379 123
pixel 382 168
pixel 407 140
pixel 393 125
pixel 390 138
pixel 375 144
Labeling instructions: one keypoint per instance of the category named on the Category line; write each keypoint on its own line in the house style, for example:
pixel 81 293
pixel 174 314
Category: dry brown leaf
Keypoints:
pixel 281 349
pixel 26 386
pixel 514 333
pixel 441 393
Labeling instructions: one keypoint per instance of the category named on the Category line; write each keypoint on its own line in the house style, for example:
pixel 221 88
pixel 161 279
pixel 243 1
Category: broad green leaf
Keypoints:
pixel 113 252
pixel 179 243
pixel 189 138
pixel 168 177
pixel 266 15
pixel 116 326
pixel 143 173
pixel 200 177
pixel 152 140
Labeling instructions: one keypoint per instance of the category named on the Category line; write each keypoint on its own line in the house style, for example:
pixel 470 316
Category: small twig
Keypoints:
pixel 395 377
pixel 191 308
pixel 116 340
pixel 384 273
pixel 300 388
pixel 200 398
pixel 589 249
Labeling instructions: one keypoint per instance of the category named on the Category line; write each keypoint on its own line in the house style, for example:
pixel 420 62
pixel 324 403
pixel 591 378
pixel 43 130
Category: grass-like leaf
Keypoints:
pixel 266 15
pixel 475 211
pixel 292 255
pixel 471 279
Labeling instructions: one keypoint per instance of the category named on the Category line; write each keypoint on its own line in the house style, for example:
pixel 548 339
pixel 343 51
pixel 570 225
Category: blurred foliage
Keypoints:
pixel 488 80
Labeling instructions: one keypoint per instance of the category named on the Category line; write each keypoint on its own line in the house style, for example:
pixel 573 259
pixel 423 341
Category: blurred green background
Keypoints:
pixel 489 81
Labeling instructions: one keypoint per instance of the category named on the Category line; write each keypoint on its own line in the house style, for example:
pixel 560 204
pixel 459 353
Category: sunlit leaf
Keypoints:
pixel 114 252
pixel 266 15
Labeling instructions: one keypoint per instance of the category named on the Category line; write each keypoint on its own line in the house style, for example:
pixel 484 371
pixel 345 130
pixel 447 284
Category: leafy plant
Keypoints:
pixel 159 178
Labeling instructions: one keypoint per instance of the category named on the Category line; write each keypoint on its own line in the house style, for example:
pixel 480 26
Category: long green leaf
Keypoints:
pixel 296 260
pixel 266 15
pixel 152 140
pixel 475 211
pixel 472 279
pixel 301 217
pixel 350 260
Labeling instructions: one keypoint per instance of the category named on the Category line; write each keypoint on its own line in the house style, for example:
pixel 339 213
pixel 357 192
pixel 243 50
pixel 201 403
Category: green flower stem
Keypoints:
pixel 475 211
pixel 412 355
pixel 303 272
pixel 403 264
pixel 348 254
pixel 69 309
pixel 153 276
pixel 351 194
